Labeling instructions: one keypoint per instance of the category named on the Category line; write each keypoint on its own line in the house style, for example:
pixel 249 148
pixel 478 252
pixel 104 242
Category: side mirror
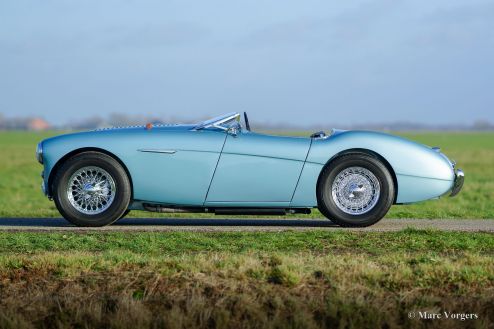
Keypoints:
pixel 233 131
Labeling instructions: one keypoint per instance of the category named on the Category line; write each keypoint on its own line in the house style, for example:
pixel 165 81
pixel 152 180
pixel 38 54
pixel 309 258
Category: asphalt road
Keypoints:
pixel 224 225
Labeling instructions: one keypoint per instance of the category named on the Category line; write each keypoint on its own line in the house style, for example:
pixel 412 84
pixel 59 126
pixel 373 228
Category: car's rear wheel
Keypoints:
pixel 355 190
pixel 92 189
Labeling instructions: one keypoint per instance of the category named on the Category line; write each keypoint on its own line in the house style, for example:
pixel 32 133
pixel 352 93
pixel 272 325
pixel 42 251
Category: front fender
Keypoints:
pixel 57 148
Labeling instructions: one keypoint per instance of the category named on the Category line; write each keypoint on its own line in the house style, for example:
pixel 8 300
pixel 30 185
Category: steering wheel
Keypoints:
pixel 247 125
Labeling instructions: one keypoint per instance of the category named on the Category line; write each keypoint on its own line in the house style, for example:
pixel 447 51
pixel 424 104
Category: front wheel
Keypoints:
pixel 92 189
pixel 355 190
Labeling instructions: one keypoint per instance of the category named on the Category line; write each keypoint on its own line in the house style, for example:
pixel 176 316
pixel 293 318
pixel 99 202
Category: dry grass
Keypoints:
pixel 244 290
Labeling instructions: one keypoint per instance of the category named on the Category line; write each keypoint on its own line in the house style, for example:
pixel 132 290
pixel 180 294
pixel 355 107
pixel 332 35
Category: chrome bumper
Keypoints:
pixel 43 185
pixel 43 188
pixel 458 183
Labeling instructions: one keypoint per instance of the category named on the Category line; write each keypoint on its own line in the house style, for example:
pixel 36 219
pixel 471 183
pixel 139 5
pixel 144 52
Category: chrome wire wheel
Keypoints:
pixel 91 190
pixel 355 190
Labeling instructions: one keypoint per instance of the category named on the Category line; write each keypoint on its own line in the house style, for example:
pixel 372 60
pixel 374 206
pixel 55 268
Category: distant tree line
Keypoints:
pixel 23 123
pixel 122 120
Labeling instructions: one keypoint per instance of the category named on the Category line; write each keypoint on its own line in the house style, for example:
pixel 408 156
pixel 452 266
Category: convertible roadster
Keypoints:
pixel 222 167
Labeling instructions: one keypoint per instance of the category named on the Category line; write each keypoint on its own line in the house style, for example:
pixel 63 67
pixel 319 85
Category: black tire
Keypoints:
pixel 116 208
pixel 327 205
pixel 125 214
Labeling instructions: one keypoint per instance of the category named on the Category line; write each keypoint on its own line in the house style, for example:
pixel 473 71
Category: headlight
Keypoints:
pixel 39 152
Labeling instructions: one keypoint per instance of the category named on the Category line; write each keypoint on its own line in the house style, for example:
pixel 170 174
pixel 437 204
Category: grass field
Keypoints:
pixel 290 279
pixel 245 280
pixel 20 194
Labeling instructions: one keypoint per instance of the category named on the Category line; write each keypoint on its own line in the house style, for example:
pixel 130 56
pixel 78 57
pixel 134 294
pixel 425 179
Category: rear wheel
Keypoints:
pixel 92 189
pixel 355 190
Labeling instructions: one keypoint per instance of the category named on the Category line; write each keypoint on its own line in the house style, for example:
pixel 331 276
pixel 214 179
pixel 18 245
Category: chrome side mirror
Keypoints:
pixel 233 131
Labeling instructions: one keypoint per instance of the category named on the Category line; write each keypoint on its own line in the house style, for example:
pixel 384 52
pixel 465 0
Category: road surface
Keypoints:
pixel 224 225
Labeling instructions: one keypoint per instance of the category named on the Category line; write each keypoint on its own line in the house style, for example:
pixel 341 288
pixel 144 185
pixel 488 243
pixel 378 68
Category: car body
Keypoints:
pixel 218 165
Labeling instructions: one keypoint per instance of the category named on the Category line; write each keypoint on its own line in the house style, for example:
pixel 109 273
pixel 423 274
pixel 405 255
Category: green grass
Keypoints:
pixel 20 194
pixel 315 279
pixel 176 243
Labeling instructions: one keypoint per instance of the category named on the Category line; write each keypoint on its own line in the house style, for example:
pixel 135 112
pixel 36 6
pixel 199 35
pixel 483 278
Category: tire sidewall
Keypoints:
pixel 122 186
pixel 324 190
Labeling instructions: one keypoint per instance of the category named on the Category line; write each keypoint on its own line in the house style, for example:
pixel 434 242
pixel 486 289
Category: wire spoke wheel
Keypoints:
pixel 355 190
pixel 91 190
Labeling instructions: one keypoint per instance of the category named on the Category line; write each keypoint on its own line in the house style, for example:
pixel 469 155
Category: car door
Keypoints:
pixel 257 170
pixel 174 167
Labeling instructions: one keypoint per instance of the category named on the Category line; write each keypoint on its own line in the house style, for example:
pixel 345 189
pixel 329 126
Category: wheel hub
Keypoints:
pixel 91 190
pixel 355 190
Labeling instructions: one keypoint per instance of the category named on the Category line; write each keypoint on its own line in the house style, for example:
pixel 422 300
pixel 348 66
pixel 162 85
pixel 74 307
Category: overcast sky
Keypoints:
pixel 304 62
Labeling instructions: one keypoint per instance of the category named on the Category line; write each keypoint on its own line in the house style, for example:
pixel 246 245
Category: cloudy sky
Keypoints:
pixel 304 62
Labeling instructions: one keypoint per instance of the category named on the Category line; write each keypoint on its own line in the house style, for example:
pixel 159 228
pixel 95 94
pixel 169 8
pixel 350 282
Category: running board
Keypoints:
pixel 261 211
pixel 226 210
pixel 250 211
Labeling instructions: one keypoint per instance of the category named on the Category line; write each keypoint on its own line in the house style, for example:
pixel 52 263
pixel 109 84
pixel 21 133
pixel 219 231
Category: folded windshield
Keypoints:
pixel 224 121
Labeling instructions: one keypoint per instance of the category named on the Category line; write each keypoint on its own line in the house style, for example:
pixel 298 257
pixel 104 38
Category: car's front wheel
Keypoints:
pixel 355 190
pixel 92 189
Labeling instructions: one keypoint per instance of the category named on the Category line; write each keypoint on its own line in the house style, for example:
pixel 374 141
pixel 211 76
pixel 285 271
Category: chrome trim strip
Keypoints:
pixel 157 151
pixel 458 183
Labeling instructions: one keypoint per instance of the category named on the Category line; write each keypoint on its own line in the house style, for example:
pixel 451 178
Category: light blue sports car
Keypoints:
pixel 221 167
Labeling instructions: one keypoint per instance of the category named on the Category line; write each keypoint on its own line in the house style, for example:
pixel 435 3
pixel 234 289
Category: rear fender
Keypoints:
pixel 421 173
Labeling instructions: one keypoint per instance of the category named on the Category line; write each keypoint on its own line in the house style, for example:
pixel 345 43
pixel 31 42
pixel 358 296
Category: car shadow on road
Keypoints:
pixel 60 222
pixel 226 222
